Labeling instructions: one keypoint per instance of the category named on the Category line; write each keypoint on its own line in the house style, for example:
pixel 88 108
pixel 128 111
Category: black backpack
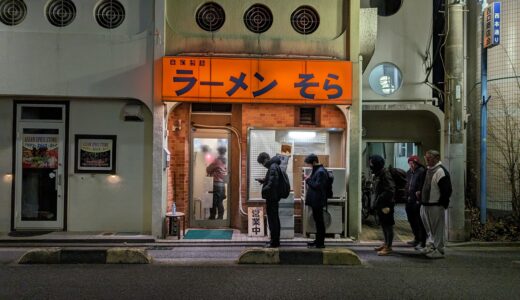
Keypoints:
pixel 399 177
pixel 330 181
pixel 285 186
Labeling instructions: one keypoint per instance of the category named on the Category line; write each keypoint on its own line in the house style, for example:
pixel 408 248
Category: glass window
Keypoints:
pixel 294 145
pixel 385 79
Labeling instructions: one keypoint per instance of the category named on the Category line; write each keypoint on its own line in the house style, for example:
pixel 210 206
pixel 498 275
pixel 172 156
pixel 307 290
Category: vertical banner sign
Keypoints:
pixel 491 26
pixel 255 217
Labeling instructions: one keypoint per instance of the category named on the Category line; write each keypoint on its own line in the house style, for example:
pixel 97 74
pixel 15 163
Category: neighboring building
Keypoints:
pixel 70 69
pixel 503 108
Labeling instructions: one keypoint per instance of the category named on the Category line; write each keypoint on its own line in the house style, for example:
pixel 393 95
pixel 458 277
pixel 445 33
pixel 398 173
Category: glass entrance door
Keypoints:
pixel 210 199
pixel 39 177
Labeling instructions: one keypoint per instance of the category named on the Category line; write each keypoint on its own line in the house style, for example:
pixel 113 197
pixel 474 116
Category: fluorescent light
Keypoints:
pixel 302 135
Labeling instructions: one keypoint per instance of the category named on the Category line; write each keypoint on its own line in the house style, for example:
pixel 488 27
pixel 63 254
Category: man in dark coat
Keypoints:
pixel 384 189
pixel 414 184
pixel 271 194
pixel 316 197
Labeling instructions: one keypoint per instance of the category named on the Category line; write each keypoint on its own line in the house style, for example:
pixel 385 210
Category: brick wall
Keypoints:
pixel 252 115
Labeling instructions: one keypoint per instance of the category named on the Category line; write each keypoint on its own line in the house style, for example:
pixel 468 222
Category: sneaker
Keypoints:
pixel 379 248
pixel 435 254
pixel 427 249
pixel 418 247
pixel 385 251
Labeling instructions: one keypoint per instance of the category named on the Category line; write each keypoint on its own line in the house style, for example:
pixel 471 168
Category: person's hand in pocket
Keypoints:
pixel 386 210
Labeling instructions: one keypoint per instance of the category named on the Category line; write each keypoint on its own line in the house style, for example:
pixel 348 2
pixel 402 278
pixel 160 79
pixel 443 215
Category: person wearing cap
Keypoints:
pixel 414 183
pixel 316 197
pixel 271 194
pixel 383 191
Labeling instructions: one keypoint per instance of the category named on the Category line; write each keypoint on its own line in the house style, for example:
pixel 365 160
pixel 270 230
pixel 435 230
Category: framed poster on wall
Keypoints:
pixel 95 154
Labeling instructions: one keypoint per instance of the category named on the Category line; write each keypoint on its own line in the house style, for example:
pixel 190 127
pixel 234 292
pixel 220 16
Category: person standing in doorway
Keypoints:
pixel 414 184
pixel 316 197
pixel 270 192
pixel 384 189
pixel 218 170
pixel 435 198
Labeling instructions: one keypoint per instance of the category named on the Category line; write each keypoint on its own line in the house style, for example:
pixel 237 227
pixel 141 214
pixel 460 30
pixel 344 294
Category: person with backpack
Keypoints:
pixel 384 189
pixel 435 199
pixel 415 180
pixel 271 194
pixel 316 197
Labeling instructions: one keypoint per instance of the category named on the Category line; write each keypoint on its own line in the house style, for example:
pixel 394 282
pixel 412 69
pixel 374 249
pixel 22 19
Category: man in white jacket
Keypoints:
pixel 435 198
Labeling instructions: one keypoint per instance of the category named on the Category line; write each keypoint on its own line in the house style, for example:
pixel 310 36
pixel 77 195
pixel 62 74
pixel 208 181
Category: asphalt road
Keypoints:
pixel 210 273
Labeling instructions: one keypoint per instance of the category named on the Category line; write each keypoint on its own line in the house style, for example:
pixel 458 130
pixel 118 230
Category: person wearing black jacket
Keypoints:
pixel 271 194
pixel 414 184
pixel 316 197
pixel 384 189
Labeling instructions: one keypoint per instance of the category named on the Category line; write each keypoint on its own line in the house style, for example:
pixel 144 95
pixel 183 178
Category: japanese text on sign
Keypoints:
pixel 255 221
pixel 257 80
pixel 491 26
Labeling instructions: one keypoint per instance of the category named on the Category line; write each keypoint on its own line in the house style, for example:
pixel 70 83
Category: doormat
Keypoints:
pixel 206 234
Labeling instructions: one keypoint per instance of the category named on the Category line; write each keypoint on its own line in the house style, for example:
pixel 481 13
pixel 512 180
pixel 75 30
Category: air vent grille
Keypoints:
pixel 210 16
pixel 12 12
pixel 258 18
pixel 305 20
pixel 61 13
pixel 110 14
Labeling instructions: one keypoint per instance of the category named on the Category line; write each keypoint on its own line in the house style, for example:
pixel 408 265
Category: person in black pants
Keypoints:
pixel 271 194
pixel 414 183
pixel 316 197
pixel 384 190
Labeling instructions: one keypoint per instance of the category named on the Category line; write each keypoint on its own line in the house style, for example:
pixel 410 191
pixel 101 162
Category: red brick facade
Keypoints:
pixel 252 115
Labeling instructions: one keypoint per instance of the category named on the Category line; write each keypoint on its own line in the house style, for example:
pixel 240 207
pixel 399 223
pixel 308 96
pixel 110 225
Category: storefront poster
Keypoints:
pixel 95 154
pixel 40 151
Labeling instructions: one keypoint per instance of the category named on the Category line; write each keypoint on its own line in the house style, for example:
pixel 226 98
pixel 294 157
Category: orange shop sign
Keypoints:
pixel 208 79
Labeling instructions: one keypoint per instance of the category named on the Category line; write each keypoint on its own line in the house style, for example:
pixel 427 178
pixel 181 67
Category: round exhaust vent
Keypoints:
pixel 61 13
pixel 210 16
pixel 258 18
pixel 12 12
pixel 305 20
pixel 110 14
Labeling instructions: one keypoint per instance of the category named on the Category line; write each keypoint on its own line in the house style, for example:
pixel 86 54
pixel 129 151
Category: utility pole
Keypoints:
pixel 455 113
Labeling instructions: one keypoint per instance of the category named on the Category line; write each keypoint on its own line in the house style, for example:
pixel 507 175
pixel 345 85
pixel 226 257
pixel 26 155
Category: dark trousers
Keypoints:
pixel 317 214
pixel 413 212
pixel 274 221
pixel 219 192
pixel 388 232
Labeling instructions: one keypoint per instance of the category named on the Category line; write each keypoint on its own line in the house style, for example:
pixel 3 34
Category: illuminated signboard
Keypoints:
pixel 491 25
pixel 204 79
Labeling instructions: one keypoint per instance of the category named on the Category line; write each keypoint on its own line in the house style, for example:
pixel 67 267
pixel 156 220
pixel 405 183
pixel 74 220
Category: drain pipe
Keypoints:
pixel 234 131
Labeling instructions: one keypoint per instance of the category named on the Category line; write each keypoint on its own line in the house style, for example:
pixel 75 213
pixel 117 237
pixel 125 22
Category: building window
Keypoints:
pixel 110 14
pixel 307 116
pixel 258 18
pixel 12 12
pixel 305 20
pixel 61 13
pixel 385 79
pixel 386 8
pixel 210 16
pixel 293 145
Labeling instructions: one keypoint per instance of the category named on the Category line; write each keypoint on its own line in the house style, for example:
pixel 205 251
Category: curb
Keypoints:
pixel 86 256
pixel 327 256
pixel 483 244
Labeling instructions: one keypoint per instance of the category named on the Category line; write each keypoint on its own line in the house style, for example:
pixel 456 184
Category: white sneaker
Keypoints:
pixel 435 254
pixel 419 247
pixel 426 250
